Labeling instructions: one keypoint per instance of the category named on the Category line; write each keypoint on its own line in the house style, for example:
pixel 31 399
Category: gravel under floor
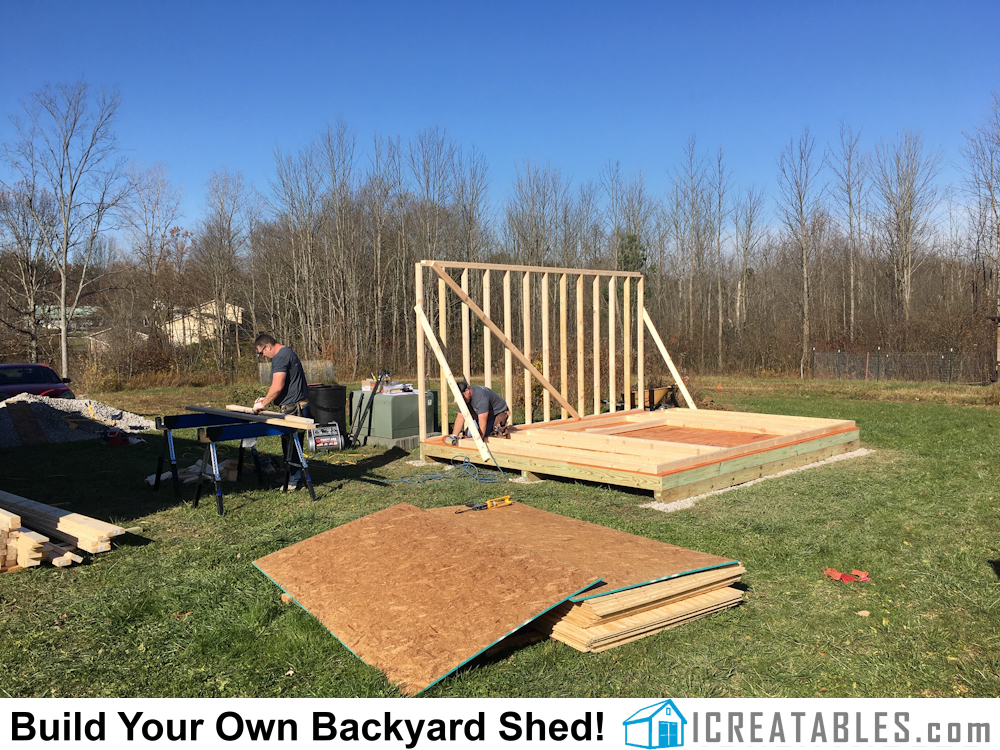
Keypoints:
pixel 67 419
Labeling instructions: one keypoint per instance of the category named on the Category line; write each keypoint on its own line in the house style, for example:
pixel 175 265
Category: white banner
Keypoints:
pixel 498 722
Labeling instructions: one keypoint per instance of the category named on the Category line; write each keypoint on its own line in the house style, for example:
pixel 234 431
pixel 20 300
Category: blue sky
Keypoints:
pixel 206 85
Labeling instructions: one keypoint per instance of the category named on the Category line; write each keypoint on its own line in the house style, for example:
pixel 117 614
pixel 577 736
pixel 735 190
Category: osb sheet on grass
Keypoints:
pixel 417 595
pixel 623 560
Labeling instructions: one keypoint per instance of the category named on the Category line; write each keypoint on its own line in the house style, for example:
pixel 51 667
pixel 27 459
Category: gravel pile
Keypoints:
pixel 67 419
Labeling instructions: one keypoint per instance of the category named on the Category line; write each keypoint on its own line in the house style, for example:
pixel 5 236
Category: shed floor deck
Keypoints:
pixel 675 454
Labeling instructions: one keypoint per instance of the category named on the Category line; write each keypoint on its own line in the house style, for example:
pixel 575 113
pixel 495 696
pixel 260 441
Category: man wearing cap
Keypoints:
pixel 491 411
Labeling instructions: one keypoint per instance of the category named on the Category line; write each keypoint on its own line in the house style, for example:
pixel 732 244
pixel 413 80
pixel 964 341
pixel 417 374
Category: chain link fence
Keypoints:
pixel 944 367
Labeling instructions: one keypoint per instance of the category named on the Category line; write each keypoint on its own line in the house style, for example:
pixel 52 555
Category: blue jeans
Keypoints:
pixel 491 422
pixel 295 476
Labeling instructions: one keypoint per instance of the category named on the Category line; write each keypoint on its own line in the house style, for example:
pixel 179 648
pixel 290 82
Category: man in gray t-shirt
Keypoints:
pixel 288 380
pixel 288 391
pixel 488 407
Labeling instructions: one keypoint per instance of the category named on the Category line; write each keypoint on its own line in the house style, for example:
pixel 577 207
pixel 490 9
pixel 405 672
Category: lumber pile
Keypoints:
pixel 611 620
pixel 189 474
pixel 9 524
pixel 27 529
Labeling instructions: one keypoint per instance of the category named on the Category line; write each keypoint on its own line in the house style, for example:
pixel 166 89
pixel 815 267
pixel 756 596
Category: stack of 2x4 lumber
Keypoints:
pixel 9 524
pixel 648 586
pixel 84 532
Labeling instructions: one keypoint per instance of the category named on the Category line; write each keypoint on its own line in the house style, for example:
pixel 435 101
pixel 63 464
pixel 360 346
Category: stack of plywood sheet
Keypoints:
pixel 608 621
pixel 27 529
pixel 417 595
pixel 676 453
pixel 647 586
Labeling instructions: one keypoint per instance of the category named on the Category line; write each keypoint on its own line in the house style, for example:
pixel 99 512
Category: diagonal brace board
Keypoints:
pixel 525 362
pixel 459 398
pixel 666 356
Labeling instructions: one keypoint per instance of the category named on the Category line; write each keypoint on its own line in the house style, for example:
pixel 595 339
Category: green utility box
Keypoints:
pixel 393 415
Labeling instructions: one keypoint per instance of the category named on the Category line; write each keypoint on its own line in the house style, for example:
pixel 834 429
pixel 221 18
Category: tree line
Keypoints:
pixel 854 245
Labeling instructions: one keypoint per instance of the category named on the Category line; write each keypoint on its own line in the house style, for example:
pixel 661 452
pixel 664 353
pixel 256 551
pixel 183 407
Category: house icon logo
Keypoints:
pixel 659 725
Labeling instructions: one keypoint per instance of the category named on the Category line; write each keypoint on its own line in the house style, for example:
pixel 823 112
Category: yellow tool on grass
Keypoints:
pixel 497 502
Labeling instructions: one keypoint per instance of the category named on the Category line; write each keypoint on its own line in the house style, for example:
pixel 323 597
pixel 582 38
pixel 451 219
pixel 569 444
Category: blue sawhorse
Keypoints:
pixel 183 421
pixel 222 433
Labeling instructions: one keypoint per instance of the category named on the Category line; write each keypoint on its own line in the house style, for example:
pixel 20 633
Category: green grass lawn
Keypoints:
pixel 181 611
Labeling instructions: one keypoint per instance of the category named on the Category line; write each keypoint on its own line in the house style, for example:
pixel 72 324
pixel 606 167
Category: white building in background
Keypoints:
pixel 198 324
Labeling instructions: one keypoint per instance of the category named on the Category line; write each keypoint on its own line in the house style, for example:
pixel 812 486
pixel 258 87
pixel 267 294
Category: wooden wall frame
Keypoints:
pixel 604 306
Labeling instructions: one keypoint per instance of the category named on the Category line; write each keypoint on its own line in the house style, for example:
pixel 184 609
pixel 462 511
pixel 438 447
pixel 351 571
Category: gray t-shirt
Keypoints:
pixel 485 401
pixel 288 362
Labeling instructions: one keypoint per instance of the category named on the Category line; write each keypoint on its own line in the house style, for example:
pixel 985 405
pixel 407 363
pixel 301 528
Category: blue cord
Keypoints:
pixel 464 470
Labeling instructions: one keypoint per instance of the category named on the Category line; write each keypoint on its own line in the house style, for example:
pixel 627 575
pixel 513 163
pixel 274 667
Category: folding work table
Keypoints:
pixel 217 426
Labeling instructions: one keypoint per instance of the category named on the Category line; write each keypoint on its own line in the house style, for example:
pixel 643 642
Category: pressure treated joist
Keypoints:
pixel 681 486
pixel 535 465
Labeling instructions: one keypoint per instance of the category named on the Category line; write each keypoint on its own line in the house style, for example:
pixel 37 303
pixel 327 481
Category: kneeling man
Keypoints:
pixel 488 407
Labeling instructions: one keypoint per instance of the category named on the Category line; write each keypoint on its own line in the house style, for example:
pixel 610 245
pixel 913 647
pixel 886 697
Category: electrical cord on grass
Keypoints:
pixel 464 470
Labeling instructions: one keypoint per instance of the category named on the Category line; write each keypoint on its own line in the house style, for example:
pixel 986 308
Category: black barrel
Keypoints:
pixel 328 404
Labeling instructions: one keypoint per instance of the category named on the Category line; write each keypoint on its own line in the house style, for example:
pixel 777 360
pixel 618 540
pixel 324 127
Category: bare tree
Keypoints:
pixel 26 268
pixel 904 181
pixel 749 236
pixel 850 166
pixel 297 202
pixel 378 195
pixel 148 215
pixel 692 224
pixel 532 213
pixel 220 241
pixel 471 202
pixel 431 163
pixel 797 176
pixel 720 186
pixel 65 145
pixel 982 157
pixel 344 294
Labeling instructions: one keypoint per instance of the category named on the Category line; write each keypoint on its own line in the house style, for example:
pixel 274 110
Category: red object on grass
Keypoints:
pixel 853 577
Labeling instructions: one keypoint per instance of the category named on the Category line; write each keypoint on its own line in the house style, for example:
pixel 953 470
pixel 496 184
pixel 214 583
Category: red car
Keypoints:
pixel 39 380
